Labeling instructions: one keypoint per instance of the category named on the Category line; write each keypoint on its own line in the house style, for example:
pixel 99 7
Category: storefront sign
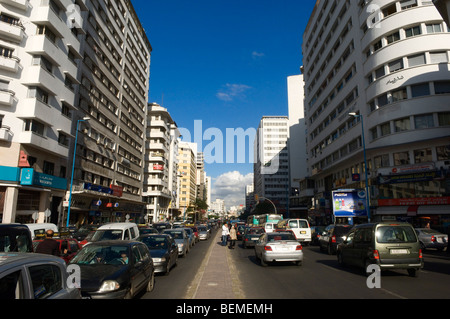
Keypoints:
pixel 414 201
pixel 408 178
pixel 97 188
pixel 29 177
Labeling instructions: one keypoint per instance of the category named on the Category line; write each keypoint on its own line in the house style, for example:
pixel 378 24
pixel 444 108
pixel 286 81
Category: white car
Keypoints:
pixel 278 246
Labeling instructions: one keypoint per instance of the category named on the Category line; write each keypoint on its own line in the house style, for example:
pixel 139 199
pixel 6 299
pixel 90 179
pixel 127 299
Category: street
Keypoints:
pixel 320 277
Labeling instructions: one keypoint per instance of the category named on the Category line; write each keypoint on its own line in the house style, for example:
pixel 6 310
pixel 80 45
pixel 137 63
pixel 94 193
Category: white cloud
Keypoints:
pixel 231 188
pixel 256 55
pixel 232 91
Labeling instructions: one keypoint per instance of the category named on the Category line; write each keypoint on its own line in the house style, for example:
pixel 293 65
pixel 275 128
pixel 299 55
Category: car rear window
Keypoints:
pixel 276 237
pixel 341 230
pixel 395 234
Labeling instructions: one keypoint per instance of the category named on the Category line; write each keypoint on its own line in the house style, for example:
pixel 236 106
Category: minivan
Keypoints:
pixel 390 245
pixel 39 229
pixel 116 231
pixel 300 227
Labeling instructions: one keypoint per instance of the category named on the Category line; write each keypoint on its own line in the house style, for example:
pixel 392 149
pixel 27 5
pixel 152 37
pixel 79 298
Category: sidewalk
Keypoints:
pixel 216 277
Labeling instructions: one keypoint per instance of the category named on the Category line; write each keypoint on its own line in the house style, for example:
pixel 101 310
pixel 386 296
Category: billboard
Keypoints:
pixel 349 203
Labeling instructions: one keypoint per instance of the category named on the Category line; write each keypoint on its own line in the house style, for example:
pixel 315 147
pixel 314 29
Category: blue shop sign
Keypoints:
pixel 29 177
pixel 9 174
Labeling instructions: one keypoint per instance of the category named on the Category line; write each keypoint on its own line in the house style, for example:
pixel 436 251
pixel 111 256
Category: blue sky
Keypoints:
pixel 224 62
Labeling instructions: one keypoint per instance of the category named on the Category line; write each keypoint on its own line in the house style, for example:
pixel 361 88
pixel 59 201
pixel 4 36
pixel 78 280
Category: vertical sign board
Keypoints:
pixel 349 203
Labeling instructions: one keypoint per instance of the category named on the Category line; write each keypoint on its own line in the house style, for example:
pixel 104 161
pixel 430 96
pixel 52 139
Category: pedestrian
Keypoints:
pixel 225 233
pixel 233 237
pixel 48 246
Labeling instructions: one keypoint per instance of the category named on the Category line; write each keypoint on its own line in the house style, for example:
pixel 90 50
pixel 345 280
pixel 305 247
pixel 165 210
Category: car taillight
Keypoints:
pixel 376 254
pixel 267 248
pixel 433 239
pixel 420 254
pixel 333 239
pixel 299 247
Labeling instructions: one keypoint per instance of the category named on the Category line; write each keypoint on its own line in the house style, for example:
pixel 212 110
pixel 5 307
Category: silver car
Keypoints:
pixel 181 238
pixel 430 238
pixel 34 276
pixel 278 246
pixel 203 232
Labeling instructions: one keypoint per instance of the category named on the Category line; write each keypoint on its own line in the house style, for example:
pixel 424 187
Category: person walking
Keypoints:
pixel 48 246
pixel 225 233
pixel 233 237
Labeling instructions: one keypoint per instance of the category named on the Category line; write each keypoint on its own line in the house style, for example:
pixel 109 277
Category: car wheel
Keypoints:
pixel 263 263
pixel 167 267
pixel 151 283
pixel 299 263
pixel 413 272
pixel 129 294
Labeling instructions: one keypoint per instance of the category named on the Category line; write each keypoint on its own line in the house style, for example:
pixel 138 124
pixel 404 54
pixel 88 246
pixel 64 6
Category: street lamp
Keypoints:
pixel 73 168
pixel 274 207
pixel 353 114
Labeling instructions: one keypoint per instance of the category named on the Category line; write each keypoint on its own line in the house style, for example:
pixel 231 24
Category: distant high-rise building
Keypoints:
pixel 187 171
pixel 271 168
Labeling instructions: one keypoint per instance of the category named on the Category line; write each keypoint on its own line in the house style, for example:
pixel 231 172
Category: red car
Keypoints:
pixel 68 247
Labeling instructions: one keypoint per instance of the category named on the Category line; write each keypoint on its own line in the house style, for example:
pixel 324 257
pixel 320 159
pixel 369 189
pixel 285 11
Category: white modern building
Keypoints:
pixel 160 191
pixel 387 63
pixel 271 167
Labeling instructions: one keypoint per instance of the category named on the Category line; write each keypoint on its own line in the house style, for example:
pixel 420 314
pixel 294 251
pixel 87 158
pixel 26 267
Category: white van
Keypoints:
pixel 116 231
pixel 300 227
pixel 41 228
pixel 270 227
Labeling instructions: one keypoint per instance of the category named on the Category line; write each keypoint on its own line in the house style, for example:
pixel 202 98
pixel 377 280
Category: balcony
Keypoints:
pixel 11 31
pixel 20 4
pixel 37 76
pixel 43 143
pixel 5 133
pixel 6 97
pixel 34 109
pixel 9 64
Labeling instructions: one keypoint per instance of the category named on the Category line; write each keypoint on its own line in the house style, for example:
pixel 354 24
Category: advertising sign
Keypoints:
pixel 349 203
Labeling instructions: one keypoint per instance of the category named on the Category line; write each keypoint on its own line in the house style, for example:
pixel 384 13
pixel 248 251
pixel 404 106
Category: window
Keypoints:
pixel 374 133
pixel 383 100
pixel 38 93
pixel 422 89
pixel 438 57
pixel 399 95
pixel 444 119
pixel 389 10
pixel 442 87
pixel 46 280
pixel 434 28
pixel 44 30
pixel 377 46
pixel 63 139
pixel 401 158
pixel 402 125
pixel 385 129
pixel 443 153
pixel 381 161
pixel 406 4
pixel 48 168
pixel 396 65
pixel 379 72
pixel 414 31
pixel 34 126
pixel 424 121
pixel 393 37
pixel 11 286
pixel 423 156
pixel 415 60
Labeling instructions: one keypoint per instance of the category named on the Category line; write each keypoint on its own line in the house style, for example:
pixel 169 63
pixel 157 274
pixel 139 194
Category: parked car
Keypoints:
pixel 163 249
pixel 68 247
pixel 390 245
pixel 34 276
pixel 278 246
pixel 181 238
pixel 116 231
pixel 162 226
pixel 316 231
pixel 240 231
pixel 300 227
pixel 251 236
pixel 15 237
pixel 203 232
pixel 87 239
pixel 85 230
pixel 430 238
pixel 332 236
pixel 190 234
pixel 115 269
pixel 147 230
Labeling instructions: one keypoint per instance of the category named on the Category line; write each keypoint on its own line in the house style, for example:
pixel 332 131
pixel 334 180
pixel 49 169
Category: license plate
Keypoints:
pixel 255 238
pixel 303 232
pixel 399 251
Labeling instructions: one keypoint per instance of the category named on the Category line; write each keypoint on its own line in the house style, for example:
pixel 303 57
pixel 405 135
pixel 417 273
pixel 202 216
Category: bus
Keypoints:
pixel 260 220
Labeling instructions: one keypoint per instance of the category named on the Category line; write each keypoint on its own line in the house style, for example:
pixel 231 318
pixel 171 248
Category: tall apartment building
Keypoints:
pixel 161 164
pixel 387 62
pixel 40 47
pixel 187 172
pixel 201 177
pixel 86 67
pixel 271 168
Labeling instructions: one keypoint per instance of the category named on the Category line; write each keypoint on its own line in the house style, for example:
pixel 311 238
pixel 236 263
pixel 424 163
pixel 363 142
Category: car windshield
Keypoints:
pixel 107 234
pixel 395 234
pixel 341 230
pixel 201 228
pixel 276 237
pixel 175 234
pixel 154 242
pixel 99 254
